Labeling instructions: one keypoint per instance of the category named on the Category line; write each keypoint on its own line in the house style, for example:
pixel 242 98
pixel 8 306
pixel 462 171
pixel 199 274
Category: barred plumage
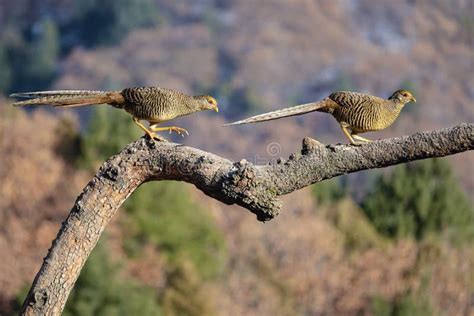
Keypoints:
pixel 354 111
pixel 294 110
pixel 62 97
pixel 152 104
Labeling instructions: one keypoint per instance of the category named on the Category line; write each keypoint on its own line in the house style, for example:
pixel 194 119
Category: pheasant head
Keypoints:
pixel 206 102
pixel 402 96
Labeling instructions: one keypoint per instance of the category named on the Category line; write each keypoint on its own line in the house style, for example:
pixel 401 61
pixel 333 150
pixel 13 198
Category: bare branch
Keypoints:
pixel 256 188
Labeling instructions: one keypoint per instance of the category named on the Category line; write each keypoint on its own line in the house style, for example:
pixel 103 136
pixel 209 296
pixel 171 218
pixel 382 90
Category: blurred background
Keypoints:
pixel 396 241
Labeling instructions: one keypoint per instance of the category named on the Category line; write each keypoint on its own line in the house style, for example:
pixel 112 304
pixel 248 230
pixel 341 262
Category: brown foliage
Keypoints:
pixel 37 186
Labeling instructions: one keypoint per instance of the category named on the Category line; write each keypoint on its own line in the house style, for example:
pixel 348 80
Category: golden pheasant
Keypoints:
pixel 152 104
pixel 356 112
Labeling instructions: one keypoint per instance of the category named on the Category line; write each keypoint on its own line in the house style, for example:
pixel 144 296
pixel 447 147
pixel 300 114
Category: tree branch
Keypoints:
pixel 256 188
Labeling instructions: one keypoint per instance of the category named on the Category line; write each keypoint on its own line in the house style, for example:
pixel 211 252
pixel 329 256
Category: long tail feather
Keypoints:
pixel 66 98
pixel 38 94
pixel 291 111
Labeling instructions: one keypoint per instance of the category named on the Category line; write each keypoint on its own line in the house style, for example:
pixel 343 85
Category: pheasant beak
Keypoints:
pixel 413 99
pixel 211 104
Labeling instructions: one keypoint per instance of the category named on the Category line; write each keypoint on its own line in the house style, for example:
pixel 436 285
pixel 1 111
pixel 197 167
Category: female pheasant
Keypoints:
pixel 152 104
pixel 356 112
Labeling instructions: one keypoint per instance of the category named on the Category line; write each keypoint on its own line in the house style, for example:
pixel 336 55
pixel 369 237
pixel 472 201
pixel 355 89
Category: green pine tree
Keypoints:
pixel 420 199
pixel 5 70
pixel 35 58
pixel 329 191
pixel 185 295
pixel 108 132
pixel 44 52
pixel 107 22
pixel 102 290
pixel 163 214
pixel 407 305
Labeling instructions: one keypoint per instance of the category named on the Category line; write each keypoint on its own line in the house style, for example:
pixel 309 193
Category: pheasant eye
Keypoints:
pixel 405 94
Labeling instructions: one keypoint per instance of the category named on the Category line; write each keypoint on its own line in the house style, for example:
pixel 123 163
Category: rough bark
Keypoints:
pixel 256 188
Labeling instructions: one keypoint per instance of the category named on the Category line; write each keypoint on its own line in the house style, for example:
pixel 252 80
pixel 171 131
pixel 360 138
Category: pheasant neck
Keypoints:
pixel 396 105
pixel 393 109
pixel 191 106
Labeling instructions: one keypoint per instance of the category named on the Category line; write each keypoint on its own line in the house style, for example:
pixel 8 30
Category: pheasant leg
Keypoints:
pixel 152 135
pixel 178 130
pixel 363 139
pixel 348 135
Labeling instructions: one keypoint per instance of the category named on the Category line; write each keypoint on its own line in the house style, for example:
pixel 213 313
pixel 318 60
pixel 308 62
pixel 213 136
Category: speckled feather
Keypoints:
pixel 361 112
pixel 156 104
pixel 364 112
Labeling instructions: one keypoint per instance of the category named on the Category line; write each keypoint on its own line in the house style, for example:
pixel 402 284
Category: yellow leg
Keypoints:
pixel 348 135
pixel 147 131
pixel 363 139
pixel 178 130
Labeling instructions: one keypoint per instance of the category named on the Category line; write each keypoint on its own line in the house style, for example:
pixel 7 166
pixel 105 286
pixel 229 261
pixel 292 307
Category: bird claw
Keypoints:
pixel 170 129
pixel 179 131
pixel 155 138
pixel 360 143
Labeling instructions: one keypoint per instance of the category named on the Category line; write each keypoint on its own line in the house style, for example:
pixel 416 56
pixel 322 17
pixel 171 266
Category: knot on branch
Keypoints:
pixel 40 298
pixel 114 171
pixel 310 145
pixel 111 172
pixel 245 186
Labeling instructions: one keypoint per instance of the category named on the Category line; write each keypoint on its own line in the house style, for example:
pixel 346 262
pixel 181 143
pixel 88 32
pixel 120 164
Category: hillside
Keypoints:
pixel 175 248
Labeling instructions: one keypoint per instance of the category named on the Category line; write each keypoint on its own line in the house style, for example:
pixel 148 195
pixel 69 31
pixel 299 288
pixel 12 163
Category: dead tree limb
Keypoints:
pixel 256 188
